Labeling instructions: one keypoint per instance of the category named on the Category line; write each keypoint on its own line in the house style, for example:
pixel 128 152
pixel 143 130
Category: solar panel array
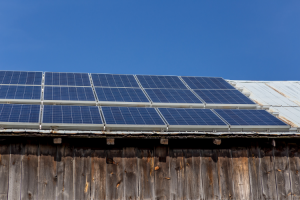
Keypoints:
pixel 102 101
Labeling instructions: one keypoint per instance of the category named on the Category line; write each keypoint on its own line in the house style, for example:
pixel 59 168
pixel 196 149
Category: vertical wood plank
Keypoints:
pixel 14 189
pixel 268 174
pixel 162 173
pixel 225 174
pixel 240 175
pixel 255 172
pixel 114 175
pixel 294 161
pixel 47 171
pixel 130 173
pixel 4 169
pixel 82 173
pixel 195 176
pixel 209 174
pixel 29 189
pixel 146 173
pixel 65 160
pixel 98 175
pixel 282 171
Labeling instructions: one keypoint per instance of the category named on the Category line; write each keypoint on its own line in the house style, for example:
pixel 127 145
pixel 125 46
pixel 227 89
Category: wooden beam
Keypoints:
pixel 57 140
pixel 164 141
pixel 217 141
pixel 110 141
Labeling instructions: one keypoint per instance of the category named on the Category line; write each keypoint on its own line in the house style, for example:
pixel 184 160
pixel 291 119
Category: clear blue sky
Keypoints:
pixel 255 40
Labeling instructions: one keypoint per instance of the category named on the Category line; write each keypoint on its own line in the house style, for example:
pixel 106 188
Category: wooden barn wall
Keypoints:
pixel 143 169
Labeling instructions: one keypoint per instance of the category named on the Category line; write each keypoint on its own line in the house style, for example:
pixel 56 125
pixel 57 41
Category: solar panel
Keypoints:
pixel 69 93
pixel 249 117
pixel 20 92
pixel 223 97
pixel 114 80
pixel 206 83
pixel 148 81
pixel 19 113
pixel 18 77
pixel 124 117
pixel 121 94
pixel 172 96
pixel 63 114
pixel 67 79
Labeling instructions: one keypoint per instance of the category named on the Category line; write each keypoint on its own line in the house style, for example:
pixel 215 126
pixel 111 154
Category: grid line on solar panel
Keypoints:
pixel 206 83
pixel 171 82
pixel 67 79
pixel 188 116
pixel 19 113
pixel 68 93
pixel 121 94
pixel 249 117
pixel 114 80
pixel 131 116
pixel 20 92
pixel 172 96
pixel 20 77
pixel 57 114
pixel 223 97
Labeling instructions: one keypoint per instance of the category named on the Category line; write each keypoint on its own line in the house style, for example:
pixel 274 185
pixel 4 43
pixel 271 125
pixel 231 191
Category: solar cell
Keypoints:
pixel 18 77
pixel 20 92
pixel 172 96
pixel 131 116
pixel 67 79
pixel 69 93
pixel 121 94
pixel 206 83
pixel 19 113
pixel 223 97
pixel 114 80
pixel 249 117
pixel 148 81
pixel 188 116
pixel 63 114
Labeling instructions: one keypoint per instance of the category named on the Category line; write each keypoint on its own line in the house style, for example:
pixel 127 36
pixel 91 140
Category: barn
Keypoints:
pixel 111 136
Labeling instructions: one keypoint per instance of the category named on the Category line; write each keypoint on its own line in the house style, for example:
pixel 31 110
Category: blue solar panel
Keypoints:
pixel 114 80
pixel 206 83
pixel 16 77
pixel 121 94
pixel 132 116
pixel 223 97
pixel 69 79
pixel 71 114
pixel 20 92
pixel 249 117
pixel 161 82
pixel 172 96
pixel 182 116
pixel 69 93
pixel 19 113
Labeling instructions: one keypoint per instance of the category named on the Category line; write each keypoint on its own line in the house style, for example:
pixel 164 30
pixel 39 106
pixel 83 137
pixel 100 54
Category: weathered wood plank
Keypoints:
pixel 29 189
pixel 82 173
pixel 130 175
pixel 209 174
pixel 225 174
pixel 114 175
pixel 268 173
pixel 14 189
pixel 282 171
pixel 294 162
pixel 4 168
pixel 255 172
pixel 146 173
pixel 47 171
pixel 65 190
pixel 98 175
pixel 162 173
pixel 240 175
pixel 194 176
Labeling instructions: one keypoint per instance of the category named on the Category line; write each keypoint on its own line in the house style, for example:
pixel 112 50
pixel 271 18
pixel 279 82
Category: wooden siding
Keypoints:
pixel 144 169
